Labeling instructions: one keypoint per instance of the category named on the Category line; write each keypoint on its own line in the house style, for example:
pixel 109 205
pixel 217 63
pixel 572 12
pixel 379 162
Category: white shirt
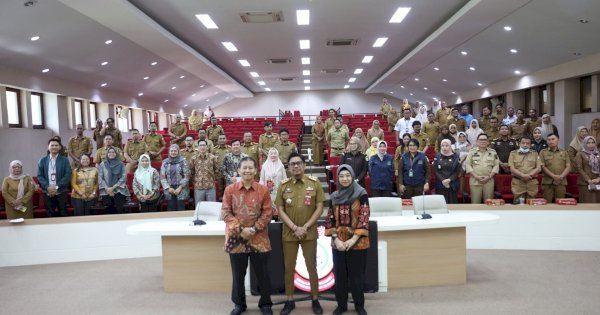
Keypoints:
pixel 509 120
pixel 404 126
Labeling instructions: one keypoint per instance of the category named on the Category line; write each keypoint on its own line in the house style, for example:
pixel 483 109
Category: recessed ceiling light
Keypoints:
pixel 307 88
pixel 435 99
pixel 185 105
pixel 514 51
pixel 261 83
pixel 453 92
pixel 346 86
pixel 193 94
pixel 305 60
pixel 410 94
pixel 464 53
pixel 181 76
pixel 517 72
pixel 304 44
pixel 104 63
pixel 34 38
pixel 307 81
pixel 367 59
pixel 416 79
pixel 103 84
pixel 268 89
pixel 391 92
pixel 399 16
pixel 244 62
pixel 146 78
pixel 305 72
pixel 202 86
pixel 45 70
pixel 140 94
pixel 444 80
pixel 351 80
pixel 108 42
pixel 472 68
pixel 154 63
pixel 254 74
pixel 303 17
pixel 166 101
pixel 174 87
pixel 425 88
pixel 229 46
pixel 402 86
pixel 358 71
pixel 206 21
pixel 380 41
pixel 508 28
pixel 436 69
pixel 583 21
pixel 479 84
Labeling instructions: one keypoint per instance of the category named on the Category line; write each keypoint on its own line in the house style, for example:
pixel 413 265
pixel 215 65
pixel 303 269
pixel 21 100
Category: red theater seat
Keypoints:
pixel 502 187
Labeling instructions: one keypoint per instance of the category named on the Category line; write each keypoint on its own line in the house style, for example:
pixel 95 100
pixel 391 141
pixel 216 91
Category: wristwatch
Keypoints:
pixel 253 229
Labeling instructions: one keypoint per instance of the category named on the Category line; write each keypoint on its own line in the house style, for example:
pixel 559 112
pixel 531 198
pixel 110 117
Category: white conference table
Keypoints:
pixel 419 252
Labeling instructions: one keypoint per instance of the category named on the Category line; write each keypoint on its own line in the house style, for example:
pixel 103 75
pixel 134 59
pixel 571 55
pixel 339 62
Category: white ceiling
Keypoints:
pixel 72 35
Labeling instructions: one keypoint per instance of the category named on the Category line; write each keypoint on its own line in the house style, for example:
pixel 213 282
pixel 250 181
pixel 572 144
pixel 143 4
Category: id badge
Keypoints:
pixel 307 198
pixel 410 173
pixel 53 177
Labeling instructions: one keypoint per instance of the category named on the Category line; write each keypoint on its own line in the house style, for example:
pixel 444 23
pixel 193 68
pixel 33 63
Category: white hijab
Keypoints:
pixel 271 168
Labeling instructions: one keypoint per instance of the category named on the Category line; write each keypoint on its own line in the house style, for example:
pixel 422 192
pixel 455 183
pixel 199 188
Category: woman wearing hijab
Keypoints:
pixel 447 168
pixel 112 182
pixel 372 150
pixel 375 131
pixel 272 173
pixel 595 129
pixel 422 114
pixel 474 131
pixel 453 131
pixel 538 143
pixel 146 185
pixel 381 171
pixel 547 127
pixel 588 164
pixel 84 182
pixel 444 134
pixel 357 160
pixel 195 120
pixel 17 190
pixel 413 171
pixel 318 141
pixel 363 144
pixel 347 223
pixel 175 176
pixel 576 145
pixel 462 146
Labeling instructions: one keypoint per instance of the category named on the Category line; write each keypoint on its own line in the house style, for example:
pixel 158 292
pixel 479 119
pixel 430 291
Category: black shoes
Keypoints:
pixel 238 309
pixel 316 307
pixel 361 311
pixel 288 307
pixel 339 310
pixel 266 310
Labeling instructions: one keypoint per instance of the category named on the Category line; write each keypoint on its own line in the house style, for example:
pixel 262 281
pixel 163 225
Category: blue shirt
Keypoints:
pixel 381 172
pixel 467 118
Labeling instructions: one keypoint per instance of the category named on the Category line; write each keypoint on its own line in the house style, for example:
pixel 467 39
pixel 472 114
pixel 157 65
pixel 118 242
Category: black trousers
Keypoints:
pixel 381 193
pixel 239 264
pixel 349 269
pixel 114 204
pixel 56 206
pixel 82 207
pixel 174 204
pixel 149 206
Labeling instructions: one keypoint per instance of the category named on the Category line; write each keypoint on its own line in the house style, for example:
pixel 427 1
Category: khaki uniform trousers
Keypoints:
pixel 290 253
pixel 552 191
pixel 527 189
pixel 481 192
pixel 130 168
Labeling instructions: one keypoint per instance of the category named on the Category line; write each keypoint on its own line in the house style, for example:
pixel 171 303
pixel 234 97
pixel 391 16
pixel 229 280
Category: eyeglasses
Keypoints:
pixel 294 164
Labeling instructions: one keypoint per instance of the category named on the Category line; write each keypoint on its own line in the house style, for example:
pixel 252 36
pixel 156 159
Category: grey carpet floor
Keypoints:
pixel 498 282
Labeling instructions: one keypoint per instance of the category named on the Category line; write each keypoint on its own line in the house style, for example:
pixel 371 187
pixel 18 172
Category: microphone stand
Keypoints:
pixel 424 215
pixel 198 221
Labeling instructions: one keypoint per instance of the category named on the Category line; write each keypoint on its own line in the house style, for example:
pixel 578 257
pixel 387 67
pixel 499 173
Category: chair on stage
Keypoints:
pixel 432 204
pixel 208 211
pixel 385 206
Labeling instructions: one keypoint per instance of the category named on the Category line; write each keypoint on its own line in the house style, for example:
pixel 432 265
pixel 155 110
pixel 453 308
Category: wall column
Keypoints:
pixel 566 103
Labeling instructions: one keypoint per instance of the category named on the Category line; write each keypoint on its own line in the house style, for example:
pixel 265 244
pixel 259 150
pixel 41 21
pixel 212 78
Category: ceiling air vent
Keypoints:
pixel 332 71
pixel 342 42
pixel 288 79
pixel 262 17
pixel 279 61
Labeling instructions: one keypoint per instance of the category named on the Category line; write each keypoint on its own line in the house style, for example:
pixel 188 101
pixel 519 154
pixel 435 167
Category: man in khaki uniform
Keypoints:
pixel 484 121
pixel 101 153
pixel 385 108
pixel 219 151
pixel 493 130
pixel 422 137
pixel 442 115
pixel 534 122
pixel 155 143
pixel 267 140
pixel 214 131
pixel 188 151
pixel 133 150
pixel 392 119
pixel 300 203
pixel 499 114
pixel 110 129
pixel 524 165
pixel 482 164
pixel 285 147
pixel 178 132
pixel 556 165
pixel 517 129
pixel 202 136
pixel 431 128
pixel 343 126
pixel 337 138
pixel 78 146
pixel 97 137
pixel 251 149
pixel 461 124
pixel 330 121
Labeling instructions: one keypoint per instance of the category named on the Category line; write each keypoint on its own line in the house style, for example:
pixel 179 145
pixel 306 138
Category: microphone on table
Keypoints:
pixel 198 221
pixel 424 215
